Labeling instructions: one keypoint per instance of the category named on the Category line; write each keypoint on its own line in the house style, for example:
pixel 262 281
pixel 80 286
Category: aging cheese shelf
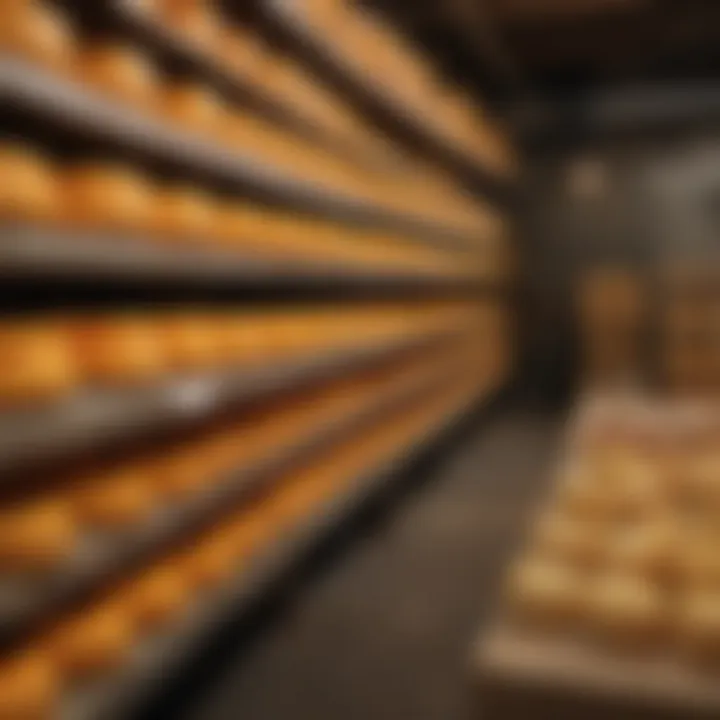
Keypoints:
pixel 71 106
pixel 28 252
pixel 121 696
pixel 95 418
pixel 319 52
pixel 99 558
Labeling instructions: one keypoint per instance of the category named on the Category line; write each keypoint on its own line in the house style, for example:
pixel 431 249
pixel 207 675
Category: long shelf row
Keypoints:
pixel 69 105
pixel 122 696
pixel 42 253
pixel 310 43
pixel 134 16
pixel 93 419
pixel 149 31
pixel 100 557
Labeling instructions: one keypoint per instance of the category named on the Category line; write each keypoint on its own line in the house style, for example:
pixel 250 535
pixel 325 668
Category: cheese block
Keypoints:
pixel 699 626
pixel 38 32
pixel 545 594
pixel 119 70
pixel 193 106
pixel 28 185
pixel 115 497
pixel 36 535
pixel 155 597
pixel 91 642
pixel 117 349
pixel 106 196
pixel 189 340
pixel 184 212
pixel 194 19
pixel 30 687
pixel 38 361
pixel 627 611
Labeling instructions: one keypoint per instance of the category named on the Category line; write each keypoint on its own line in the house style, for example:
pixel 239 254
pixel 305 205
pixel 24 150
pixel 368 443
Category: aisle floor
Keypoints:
pixel 383 631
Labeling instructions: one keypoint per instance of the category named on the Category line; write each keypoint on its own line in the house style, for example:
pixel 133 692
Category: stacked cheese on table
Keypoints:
pixel 625 555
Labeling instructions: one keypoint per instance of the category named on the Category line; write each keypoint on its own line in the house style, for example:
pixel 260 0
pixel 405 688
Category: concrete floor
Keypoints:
pixel 383 630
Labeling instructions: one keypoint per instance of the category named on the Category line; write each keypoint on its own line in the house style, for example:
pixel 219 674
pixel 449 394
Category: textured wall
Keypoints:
pixel 643 203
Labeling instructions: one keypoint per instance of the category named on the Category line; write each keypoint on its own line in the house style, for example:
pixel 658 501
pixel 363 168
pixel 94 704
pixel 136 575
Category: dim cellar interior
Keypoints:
pixel 359 360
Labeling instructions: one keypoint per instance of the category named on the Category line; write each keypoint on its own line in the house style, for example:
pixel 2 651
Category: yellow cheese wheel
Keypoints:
pixel 106 196
pixel 185 469
pixel 650 550
pixel 577 542
pixel 28 185
pixel 156 597
pixel 119 70
pixel 699 559
pixel 207 566
pixel 36 535
pixel 545 594
pixel 190 340
pixel 29 687
pixel 38 361
pixel 92 642
pixel 195 19
pixel 627 611
pixel 38 32
pixel 242 52
pixel 110 498
pixel 193 106
pixel 184 212
pixel 699 625
pixel 117 349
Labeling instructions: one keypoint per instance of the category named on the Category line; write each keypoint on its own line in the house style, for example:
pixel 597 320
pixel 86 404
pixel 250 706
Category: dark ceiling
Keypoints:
pixel 561 46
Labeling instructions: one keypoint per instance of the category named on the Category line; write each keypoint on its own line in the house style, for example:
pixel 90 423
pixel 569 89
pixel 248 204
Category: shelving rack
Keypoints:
pixel 48 437
pixel 406 126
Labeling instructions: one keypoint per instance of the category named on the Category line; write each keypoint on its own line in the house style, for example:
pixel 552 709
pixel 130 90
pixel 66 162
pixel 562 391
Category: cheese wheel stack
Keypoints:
pixel 626 553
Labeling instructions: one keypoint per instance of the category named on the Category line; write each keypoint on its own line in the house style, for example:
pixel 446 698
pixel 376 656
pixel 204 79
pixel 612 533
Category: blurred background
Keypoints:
pixel 359 359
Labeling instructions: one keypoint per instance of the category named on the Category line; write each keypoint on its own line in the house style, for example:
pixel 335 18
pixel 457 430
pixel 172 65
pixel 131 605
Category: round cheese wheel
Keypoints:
pixel 581 496
pixel 627 611
pixel 649 550
pixel 38 362
pixel 38 32
pixel 699 560
pixel 208 565
pixel 579 543
pixel 184 212
pixel 184 470
pixel 189 340
pixel 28 185
pixel 247 339
pixel 106 196
pixel 118 349
pixel 92 642
pixel 36 536
pixel 193 106
pixel 244 226
pixel 242 52
pixel 119 70
pixel 699 625
pixel 545 594
pixel 29 687
pixel 195 19
pixel 113 498
pixel 156 597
